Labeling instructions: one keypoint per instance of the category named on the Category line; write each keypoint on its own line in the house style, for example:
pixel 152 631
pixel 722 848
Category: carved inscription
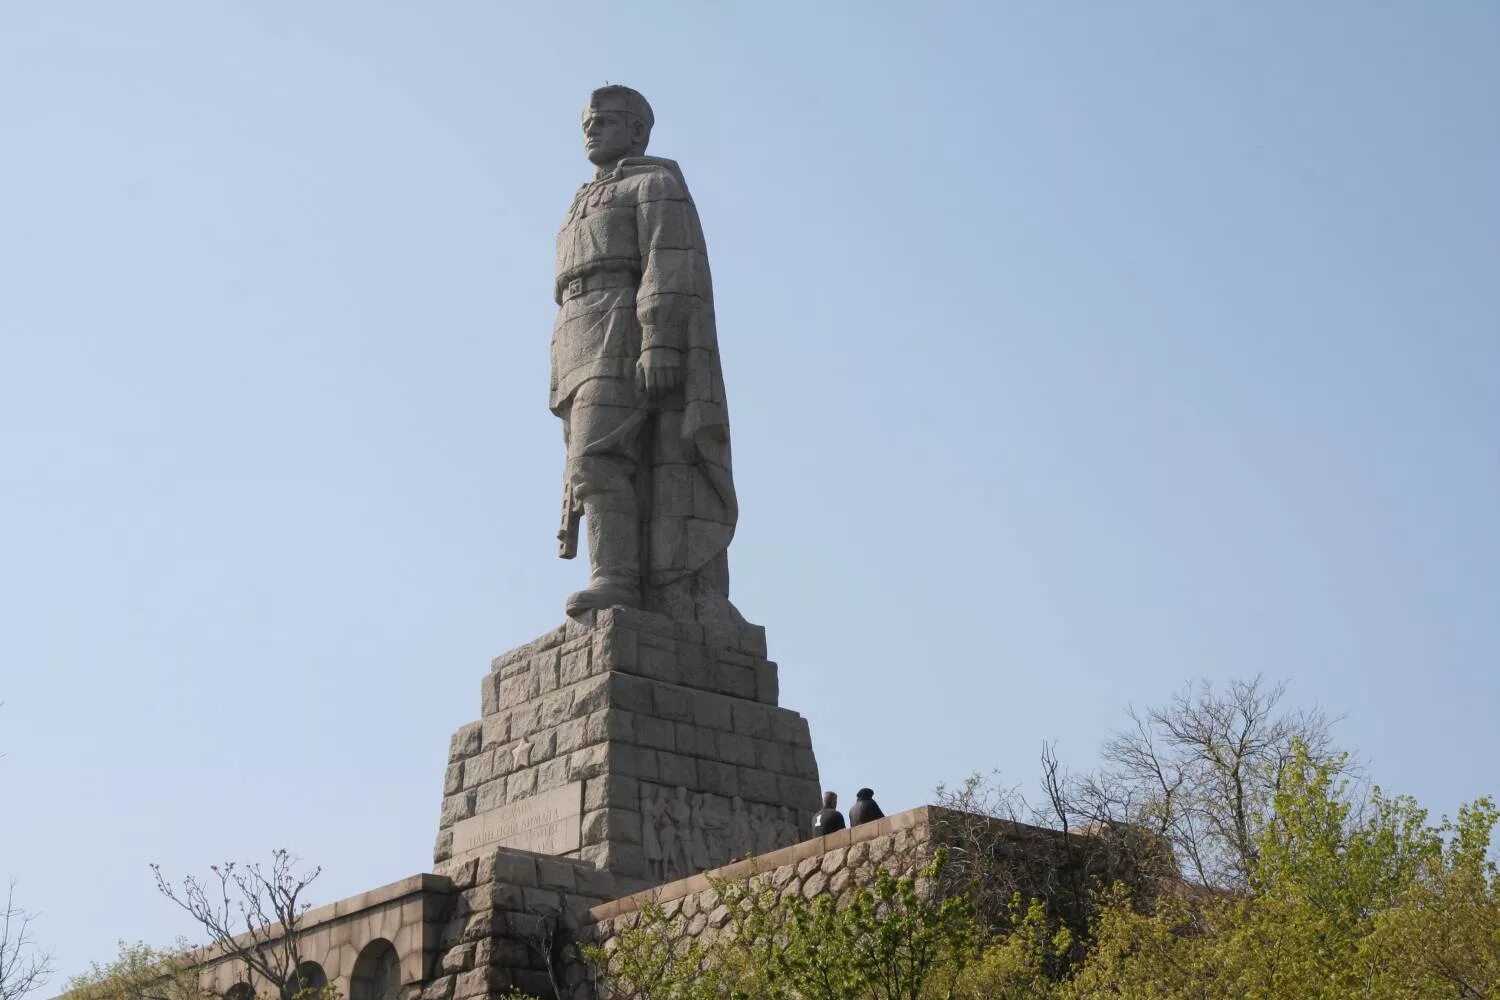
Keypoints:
pixel 549 823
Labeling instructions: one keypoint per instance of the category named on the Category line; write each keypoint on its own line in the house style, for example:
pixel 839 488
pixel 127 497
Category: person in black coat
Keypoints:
pixel 864 809
pixel 829 819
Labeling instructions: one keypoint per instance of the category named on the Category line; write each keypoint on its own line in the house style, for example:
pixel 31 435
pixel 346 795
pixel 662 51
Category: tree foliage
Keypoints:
pixel 140 972
pixel 1347 897
pixel 143 972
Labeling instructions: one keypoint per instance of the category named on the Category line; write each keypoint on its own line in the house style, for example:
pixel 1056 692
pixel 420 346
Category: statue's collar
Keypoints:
pixel 614 169
pixel 625 163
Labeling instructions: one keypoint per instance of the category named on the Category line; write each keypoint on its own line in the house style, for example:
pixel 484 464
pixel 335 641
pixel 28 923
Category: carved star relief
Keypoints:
pixel 521 753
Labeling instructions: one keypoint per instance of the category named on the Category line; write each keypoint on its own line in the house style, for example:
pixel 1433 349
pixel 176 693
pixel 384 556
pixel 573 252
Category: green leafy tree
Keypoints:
pixel 1442 936
pixel 140 972
pixel 890 941
pixel 1023 962
pixel 1143 956
pixel 1347 898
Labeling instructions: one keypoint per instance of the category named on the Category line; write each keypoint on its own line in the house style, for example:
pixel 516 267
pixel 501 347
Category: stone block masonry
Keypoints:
pixel 835 866
pixel 1059 868
pixel 651 748
pixel 378 944
pixel 508 908
pixel 471 931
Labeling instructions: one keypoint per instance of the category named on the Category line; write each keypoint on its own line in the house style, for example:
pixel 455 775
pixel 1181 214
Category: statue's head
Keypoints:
pixel 830 800
pixel 616 123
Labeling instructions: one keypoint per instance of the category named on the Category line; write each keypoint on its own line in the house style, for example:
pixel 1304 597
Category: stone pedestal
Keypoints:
pixel 650 748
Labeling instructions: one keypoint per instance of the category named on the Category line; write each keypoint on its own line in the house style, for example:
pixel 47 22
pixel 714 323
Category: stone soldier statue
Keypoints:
pixel 637 382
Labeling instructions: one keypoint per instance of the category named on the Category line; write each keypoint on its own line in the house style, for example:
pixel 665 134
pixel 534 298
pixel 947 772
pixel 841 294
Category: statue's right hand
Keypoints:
pixel 659 370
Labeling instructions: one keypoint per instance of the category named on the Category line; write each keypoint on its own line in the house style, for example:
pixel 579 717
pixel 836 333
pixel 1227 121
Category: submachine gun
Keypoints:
pixel 567 534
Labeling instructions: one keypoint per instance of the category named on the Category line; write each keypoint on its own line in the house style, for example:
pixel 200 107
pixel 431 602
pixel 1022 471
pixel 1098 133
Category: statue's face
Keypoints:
pixel 609 135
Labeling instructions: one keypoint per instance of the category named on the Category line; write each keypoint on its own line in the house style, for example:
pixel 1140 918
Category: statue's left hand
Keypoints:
pixel 659 370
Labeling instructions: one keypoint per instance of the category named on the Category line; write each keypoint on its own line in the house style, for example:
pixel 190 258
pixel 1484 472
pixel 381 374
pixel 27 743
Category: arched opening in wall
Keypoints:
pixel 310 977
pixel 377 973
pixel 239 991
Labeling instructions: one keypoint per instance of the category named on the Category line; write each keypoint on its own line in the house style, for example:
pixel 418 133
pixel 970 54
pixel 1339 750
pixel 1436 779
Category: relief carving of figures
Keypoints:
pixel 651 834
pixel 698 843
pixel 667 834
pixel 685 833
pixel 711 820
pixel 787 830
pixel 764 835
pixel 679 820
pixel 741 841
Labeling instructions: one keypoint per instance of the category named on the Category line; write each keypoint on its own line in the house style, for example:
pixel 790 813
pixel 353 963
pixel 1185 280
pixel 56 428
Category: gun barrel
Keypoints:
pixel 567 534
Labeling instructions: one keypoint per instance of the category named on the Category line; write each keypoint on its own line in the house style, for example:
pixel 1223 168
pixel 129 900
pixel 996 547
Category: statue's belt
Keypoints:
pixel 598 280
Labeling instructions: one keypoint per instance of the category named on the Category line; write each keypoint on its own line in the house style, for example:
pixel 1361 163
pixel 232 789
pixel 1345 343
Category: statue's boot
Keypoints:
pixel 614 560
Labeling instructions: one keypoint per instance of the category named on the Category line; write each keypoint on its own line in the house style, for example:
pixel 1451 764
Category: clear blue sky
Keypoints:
pixel 1073 352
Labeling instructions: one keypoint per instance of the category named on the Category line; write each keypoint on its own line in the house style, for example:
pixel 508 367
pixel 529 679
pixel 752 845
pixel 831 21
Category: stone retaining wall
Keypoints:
pixel 1059 868
pixel 833 866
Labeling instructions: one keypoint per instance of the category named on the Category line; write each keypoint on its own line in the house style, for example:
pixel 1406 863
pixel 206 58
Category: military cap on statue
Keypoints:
pixel 623 100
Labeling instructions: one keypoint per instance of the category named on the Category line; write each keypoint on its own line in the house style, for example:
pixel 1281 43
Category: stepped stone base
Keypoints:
pixel 652 749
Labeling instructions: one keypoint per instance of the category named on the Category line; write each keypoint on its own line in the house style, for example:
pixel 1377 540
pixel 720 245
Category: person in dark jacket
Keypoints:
pixel 829 819
pixel 864 809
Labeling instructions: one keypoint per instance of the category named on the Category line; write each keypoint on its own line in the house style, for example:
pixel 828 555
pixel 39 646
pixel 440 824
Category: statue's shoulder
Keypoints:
pixel 647 165
pixel 654 177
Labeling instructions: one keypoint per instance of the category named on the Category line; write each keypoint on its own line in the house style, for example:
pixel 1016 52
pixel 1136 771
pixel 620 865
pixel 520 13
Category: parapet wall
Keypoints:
pixel 832 865
pixel 990 857
pixel 366 946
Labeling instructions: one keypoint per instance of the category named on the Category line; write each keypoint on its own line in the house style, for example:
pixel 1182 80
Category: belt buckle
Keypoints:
pixel 575 287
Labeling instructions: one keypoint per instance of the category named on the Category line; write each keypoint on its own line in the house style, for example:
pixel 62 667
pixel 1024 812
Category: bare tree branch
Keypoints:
pixel 23 966
pixel 1203 772
pixel 251 913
